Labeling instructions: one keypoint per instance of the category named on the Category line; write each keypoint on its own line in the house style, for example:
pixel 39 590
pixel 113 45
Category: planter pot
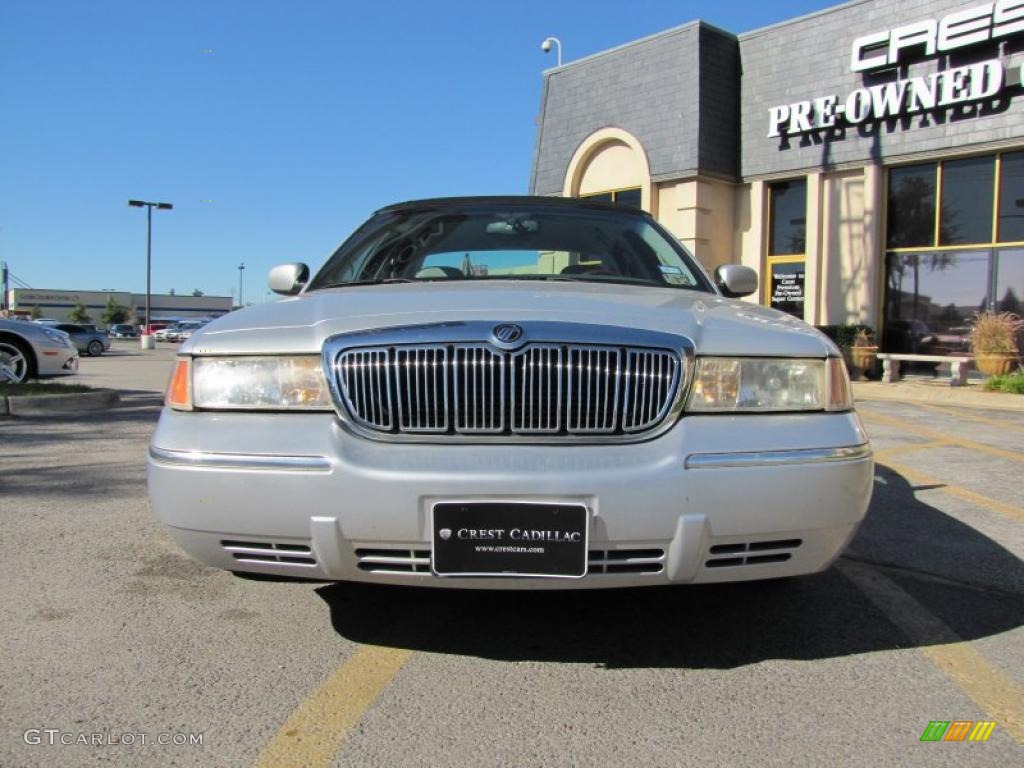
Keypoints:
pixel 995 365
pixel 862 359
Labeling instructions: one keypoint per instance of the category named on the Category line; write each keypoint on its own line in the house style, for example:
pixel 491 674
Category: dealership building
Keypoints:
pixel 56 304
pixel 867 160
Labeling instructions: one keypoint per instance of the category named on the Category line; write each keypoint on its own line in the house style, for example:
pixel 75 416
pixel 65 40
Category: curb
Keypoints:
pixel 962 397
pixel 45 405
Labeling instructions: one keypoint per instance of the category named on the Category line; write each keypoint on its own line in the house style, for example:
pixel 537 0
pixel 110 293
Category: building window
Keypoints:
pixel 787 242
pixel 965 203
pixel 949 228
pixel 912 206
pixel 1011 198
pixel 629 197
pixel 787 218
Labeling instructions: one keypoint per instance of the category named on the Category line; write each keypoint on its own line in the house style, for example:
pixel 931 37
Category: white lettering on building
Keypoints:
pixel 990 21
pixel 953 86
pixel 957 85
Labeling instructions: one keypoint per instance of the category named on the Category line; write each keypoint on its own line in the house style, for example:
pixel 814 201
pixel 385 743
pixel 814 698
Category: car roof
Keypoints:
pixel 578 203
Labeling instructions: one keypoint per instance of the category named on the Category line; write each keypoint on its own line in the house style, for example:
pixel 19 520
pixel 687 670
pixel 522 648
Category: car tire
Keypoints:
pixel 94 348
pixel 23 367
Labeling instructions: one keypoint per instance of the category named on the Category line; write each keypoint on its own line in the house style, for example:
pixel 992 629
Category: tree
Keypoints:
pixel 35 312
pixel 171 292
pixel 113 312
pixel 197 292
pixel 1010 302
pixel 79 314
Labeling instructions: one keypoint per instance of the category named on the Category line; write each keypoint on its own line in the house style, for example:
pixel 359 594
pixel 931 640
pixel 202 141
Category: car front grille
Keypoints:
pixel 471 389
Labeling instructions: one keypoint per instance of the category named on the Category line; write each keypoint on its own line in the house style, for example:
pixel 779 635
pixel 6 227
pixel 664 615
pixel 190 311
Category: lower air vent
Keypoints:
pixel 611 561
pixel 743 553
pixel 269 552
pixel 394 560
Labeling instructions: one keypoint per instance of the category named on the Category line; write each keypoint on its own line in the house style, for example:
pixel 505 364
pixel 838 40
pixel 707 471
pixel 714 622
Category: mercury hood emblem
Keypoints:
pixel 507 333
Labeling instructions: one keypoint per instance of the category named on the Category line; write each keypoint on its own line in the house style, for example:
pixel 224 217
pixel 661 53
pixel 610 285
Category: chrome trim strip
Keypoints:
pixel 778 458
pixel 204 459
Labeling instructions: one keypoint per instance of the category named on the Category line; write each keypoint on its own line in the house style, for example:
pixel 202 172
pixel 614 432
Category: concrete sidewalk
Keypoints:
pixel 938 391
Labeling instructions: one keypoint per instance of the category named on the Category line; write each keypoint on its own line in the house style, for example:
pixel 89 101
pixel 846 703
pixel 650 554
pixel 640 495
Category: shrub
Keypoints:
pixel 846 335
pixel 995 333
pixel 863 338
pixel 1011 382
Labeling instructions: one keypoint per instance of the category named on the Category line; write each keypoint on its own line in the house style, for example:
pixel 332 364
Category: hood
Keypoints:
pixel 717 326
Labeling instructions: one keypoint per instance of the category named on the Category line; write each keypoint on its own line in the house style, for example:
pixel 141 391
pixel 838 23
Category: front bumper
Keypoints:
pixel 716 498
pixel 56 360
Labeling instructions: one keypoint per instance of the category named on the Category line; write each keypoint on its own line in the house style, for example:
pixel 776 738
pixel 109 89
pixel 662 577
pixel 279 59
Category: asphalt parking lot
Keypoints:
pixel 108 629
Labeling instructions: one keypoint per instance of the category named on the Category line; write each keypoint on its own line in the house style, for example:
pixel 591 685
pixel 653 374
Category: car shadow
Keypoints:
pixel 965 578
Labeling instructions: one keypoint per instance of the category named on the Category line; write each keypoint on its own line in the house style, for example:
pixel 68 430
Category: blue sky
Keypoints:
pixel 303 118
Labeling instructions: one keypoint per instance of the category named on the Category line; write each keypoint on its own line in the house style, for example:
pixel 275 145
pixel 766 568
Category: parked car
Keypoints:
pixel 90 341
pixel 166 333
pixel 46 321
pixel 124 331
pixel 186 329
pixel 518 393
pixel 30 350
pixel 153 328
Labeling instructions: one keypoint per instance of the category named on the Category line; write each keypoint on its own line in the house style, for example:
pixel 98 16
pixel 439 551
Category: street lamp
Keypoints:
pixel 546 47
pixel 145 338
pixel 241 269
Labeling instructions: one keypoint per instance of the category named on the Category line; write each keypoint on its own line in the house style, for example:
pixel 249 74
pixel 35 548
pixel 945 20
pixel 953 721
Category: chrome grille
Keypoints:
pixel 650 376
pixel 387 386
pixel 479 375
pixel 365 383
pixel 421 385
pixel 593 389
pixel 537 394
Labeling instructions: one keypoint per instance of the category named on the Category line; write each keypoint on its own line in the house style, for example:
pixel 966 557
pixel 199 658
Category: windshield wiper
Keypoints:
pixel 382 281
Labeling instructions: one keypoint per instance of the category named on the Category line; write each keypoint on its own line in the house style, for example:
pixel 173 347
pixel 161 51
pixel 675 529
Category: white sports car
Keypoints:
pixel 30 350
pixel 514 393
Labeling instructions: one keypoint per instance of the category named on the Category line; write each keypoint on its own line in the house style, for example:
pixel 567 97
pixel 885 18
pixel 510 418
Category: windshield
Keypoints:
pixel 496 241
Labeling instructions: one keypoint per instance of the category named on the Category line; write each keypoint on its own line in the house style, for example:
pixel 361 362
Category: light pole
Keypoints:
pixel 546 47
pixel 145 338
pixel 241 269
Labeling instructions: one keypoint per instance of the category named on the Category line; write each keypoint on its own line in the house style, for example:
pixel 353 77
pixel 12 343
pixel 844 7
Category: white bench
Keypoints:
pixel 958 366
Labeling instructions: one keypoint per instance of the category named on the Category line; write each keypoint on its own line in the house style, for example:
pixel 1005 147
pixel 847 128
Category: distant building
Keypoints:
pixel 57 303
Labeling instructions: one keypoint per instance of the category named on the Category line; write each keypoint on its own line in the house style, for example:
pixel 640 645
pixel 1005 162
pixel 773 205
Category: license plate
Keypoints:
pixel 497 538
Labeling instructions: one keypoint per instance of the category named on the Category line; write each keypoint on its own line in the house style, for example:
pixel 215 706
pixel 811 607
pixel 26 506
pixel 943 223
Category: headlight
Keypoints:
pixel 57 337
pixel 726 384
pixel 256 383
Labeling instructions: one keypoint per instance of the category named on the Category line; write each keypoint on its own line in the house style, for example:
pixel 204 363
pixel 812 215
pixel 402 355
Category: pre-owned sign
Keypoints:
pixel 948 88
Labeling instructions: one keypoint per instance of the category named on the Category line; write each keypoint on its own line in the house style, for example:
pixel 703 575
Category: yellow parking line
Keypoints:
pixel 957 414
pixel 914 429
pixel 995 694
pixel 910 448
pixel 921 478
pixel 315 732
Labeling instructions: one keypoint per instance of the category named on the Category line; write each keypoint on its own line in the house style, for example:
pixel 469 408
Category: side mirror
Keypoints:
pixel 735 280
pixel 288 279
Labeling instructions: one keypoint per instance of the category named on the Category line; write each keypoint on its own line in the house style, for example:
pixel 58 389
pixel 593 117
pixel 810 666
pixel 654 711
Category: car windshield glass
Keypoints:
pixel 511 242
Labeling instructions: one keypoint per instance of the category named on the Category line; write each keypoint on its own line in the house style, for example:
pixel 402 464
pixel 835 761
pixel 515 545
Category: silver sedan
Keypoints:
pixel 511 393
pixel 28 350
